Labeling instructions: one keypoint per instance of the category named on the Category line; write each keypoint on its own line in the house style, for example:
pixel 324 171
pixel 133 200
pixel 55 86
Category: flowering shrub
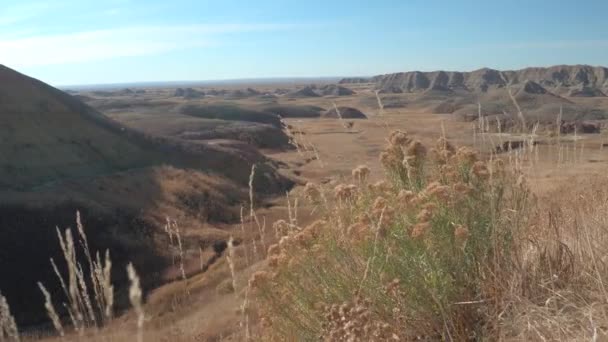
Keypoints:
pixel 422 254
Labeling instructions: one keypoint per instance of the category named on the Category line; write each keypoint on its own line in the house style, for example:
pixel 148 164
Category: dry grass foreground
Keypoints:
pixel 446 247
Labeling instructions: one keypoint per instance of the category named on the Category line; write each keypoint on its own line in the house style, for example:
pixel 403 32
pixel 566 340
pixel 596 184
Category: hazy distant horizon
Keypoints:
pixel 204 83
pixel 118 41
pixel 269 80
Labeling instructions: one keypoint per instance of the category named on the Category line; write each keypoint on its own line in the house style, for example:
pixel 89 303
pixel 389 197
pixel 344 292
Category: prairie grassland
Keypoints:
pixel 448 245
pixel 424 253
pixel 433 242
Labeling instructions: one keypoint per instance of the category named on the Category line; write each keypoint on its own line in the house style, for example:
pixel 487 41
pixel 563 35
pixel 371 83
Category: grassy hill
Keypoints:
pixel 60 156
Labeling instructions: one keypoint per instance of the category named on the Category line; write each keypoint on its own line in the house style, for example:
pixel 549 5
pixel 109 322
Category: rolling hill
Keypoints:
pixel 541 93
pixel 60 156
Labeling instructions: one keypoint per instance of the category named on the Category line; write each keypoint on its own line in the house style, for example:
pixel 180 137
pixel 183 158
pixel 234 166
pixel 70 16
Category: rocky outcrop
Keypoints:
pixel 591 80
pixel 308 91
pixel 584 91
pixel 531 87
pixel 344 113
pixel 355 80
pixel 334 90
pixel 188 93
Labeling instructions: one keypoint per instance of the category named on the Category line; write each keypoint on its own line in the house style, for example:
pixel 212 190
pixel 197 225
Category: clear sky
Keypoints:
pixel 67 42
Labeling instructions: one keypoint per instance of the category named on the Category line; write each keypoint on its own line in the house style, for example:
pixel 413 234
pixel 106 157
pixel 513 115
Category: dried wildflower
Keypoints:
pixel 424 215
pixel 281 228
pixel 273 261
pixel 466 155
pixel 265 322
pixel 380 203
pixel 286 242
pixel 392 287
pixel 345 192
pixel 392 157
pixel 462 188
pixel 521 181
pixel 312 192
pixel 304 238
pixel 446 168
pixel 497 166
pixel 480 170
pixel 282 259
pixel 399 138
pixel 355 321
pixel 385 217
pixel 258 278
pixel 273 250
pixel 444 149
pixel 461 233
pixel 416 150
pixel 316 248
pixel 380 187
pixel 432 186
pixel 420 198
pixel 316 227
pixel 420 229
pixel 294 262
pixel 405 196
pixel 441 192
pixel 386 159
pixel 358 231
pixel 363 218
pixel 361 173
pixel 449 173
pixel 430 206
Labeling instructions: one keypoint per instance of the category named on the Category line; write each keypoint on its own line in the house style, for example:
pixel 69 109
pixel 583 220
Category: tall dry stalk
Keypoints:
pixel 231 260
pixel 293 141
pixel 342 122
pixel 8 327
pixel 252 214
pixel 50 310
pixel 89 298
pixel 317 156
pixel 135 297
pixel 173 231
pixel 380 104
pixel 520 114
pixel 244 235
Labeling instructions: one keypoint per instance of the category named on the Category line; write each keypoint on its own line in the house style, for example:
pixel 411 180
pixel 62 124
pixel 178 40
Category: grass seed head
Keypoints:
pixel 399 138
pixel 361 173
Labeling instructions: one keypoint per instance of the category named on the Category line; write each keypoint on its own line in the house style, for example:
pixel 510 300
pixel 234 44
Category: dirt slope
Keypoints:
pixel 60 156
pixel 48 135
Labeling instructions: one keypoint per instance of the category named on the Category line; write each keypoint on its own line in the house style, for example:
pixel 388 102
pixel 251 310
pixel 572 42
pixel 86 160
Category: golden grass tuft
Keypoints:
pixel 8 327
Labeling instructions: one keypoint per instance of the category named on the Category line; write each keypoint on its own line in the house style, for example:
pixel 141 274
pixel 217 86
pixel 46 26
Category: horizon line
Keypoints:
pixel 153 84
pixel 292 78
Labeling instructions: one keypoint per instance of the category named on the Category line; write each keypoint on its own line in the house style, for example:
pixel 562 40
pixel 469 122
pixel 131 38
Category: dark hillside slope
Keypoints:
pixel 58 155
pixel 47 135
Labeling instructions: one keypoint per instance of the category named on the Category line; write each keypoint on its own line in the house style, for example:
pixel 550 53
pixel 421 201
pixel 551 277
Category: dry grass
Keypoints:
pixel 565 264
pixel 8 328
pixel 449 246
pixel 422 254
pixel 406 259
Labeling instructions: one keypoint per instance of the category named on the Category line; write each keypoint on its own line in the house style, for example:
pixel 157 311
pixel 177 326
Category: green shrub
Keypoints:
pixel 423 254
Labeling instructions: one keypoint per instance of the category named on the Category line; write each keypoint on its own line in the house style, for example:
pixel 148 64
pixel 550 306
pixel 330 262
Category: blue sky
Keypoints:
pixel 66 42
